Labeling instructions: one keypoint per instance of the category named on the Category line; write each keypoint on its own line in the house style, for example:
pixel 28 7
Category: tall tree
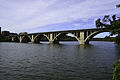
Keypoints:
pixel 111 23
pixel 118 6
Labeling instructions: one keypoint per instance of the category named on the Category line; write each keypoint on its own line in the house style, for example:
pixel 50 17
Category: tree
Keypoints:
pixel 116 72
pixel 118 6
pixel 112 24
pixel 99 24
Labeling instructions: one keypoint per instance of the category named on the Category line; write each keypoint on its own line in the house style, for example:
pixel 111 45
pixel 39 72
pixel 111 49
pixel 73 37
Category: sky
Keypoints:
pixel 54 15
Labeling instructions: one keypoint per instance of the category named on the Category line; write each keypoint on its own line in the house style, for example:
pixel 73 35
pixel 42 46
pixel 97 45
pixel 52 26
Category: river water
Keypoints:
pixel 64 61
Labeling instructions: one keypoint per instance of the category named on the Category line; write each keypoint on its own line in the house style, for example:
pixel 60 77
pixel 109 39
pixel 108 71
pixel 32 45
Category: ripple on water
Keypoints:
pixel 66 61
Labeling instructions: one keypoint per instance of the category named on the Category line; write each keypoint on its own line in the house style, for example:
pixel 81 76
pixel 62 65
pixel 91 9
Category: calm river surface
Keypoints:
pixel 65 61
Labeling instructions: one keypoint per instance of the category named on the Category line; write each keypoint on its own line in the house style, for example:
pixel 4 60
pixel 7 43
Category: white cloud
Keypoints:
pixel 85 19
pixel 19 15
pixel 77 24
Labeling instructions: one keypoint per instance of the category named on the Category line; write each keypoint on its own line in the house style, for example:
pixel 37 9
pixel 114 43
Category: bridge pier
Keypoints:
pixel 51 38
pixel 81 42
pixel 32 39
pixel 20 39
pixel 54 42
pixel 51 42
pixel 12 39
pixel 81 39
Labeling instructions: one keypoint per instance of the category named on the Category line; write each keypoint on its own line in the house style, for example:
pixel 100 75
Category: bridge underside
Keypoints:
pixel 83 37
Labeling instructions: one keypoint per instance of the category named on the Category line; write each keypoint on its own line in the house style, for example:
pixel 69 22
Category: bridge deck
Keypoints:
pixel 65 31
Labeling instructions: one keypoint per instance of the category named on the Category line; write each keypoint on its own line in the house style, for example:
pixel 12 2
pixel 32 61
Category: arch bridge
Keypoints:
pixel 83 36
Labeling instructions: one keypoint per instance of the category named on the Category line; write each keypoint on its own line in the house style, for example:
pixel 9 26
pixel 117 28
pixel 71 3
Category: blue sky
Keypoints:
pixel 53 15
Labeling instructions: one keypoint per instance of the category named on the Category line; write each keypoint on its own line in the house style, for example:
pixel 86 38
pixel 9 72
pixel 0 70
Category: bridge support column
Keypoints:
pixel 20 38
pixel 54 42
pixel 32 39
pixel 51 42
pixel 12 39
pixel 51 38
pixel 82 41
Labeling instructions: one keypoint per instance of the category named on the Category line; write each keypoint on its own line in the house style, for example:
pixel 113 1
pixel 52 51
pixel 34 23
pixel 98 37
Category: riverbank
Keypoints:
pixel 5 39
pixel 116 72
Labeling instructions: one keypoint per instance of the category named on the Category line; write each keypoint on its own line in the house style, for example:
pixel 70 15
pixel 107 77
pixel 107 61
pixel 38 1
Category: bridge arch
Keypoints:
pixel 61 34
pixel 38 37
pixel 25 39
pixel 15 39
pixel 89 37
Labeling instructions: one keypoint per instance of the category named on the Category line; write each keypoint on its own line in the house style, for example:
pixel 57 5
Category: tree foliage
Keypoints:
pixel 118 6
pixel 116 72
pixel 110 23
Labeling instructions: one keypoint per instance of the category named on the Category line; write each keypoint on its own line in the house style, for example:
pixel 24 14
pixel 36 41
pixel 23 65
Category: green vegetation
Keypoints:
pixel 66 38
pixel 104 39
pixel 111 24
pixel 116 72
pixel 5 39
pixel 118 6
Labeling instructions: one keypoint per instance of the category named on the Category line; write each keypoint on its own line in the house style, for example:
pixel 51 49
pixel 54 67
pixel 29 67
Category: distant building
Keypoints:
pixel 5 33
pixel 23 33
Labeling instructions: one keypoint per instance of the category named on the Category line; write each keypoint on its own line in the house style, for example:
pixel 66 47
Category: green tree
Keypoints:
pixel 118 6
pixel 112 24
pixel 116 72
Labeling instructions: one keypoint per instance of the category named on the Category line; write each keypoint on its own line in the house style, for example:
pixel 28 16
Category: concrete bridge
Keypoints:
pixel 83 36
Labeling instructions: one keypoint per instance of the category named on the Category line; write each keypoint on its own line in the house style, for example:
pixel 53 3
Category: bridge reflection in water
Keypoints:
pixel 83 36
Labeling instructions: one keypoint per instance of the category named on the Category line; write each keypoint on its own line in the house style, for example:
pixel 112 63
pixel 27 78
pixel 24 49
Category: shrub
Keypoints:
pixel 116 72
